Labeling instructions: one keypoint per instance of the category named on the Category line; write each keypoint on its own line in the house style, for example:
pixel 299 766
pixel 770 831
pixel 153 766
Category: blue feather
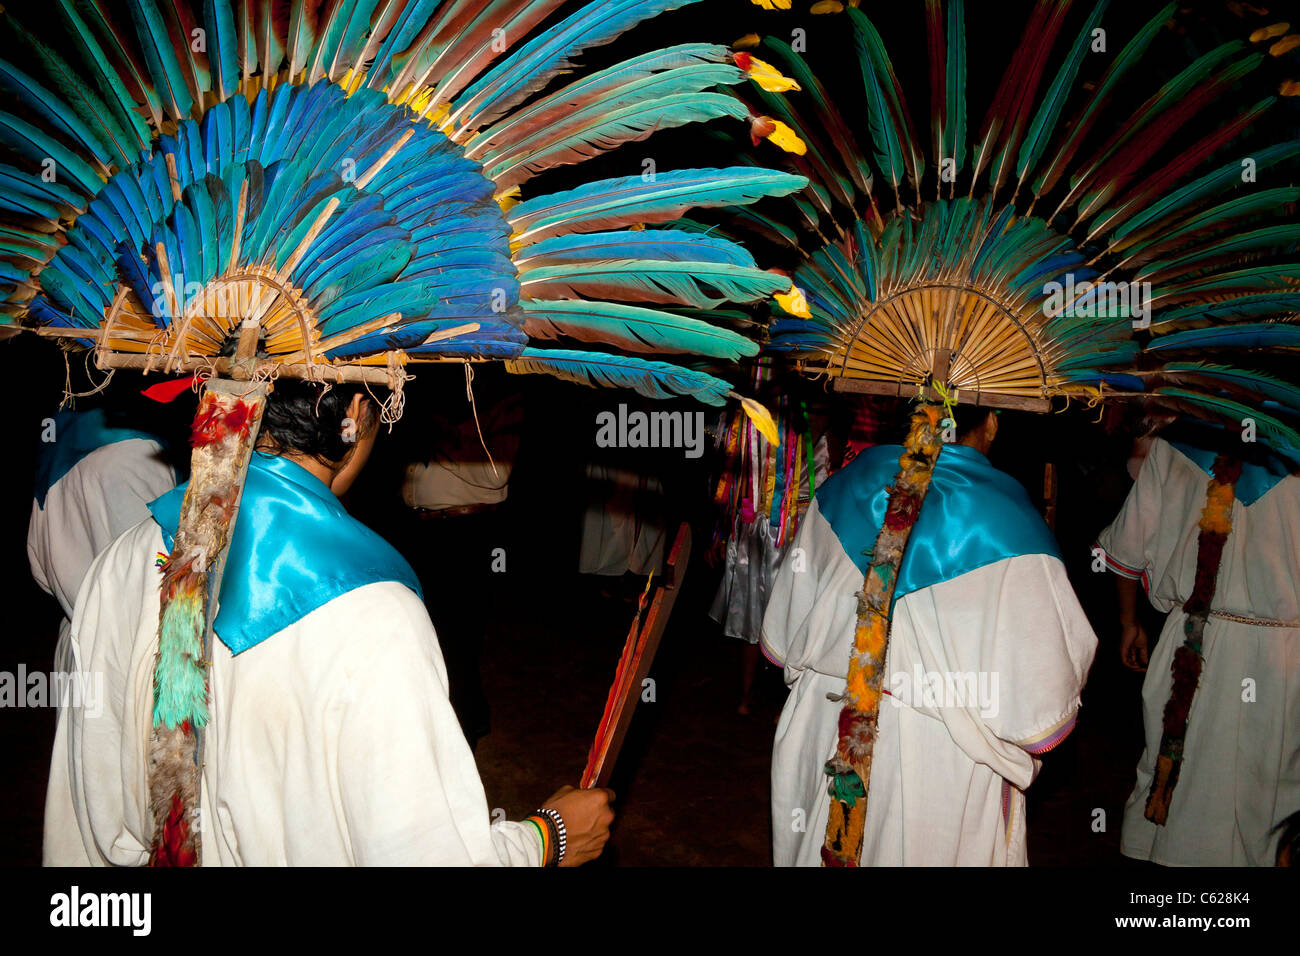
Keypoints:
pixel 651 379
pixel 1254 335
pixel 39 147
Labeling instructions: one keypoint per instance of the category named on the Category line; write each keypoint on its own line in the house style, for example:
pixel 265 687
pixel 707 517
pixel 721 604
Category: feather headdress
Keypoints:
pixel 1082 240
pixel 1076 241
pixel 329 190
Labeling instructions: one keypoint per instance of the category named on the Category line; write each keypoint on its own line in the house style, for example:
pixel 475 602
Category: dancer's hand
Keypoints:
pixel 1133 646
pixel 587 815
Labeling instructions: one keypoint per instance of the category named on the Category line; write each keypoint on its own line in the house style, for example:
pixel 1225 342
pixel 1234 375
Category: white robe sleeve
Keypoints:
pixel 410 789
pixel 1139 544
pixel 807 597
pixel 1012 648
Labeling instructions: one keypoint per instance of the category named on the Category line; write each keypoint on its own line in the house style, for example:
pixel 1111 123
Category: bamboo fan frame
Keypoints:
pixel 951 334
pixel 128 337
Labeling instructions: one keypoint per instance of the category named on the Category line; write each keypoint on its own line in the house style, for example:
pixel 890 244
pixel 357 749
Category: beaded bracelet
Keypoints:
pixel 561 836
pixel 546 832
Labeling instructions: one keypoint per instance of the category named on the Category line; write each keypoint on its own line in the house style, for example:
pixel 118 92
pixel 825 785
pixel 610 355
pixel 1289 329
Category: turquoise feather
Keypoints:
pixel 633 328
pixel 89 125
pixel 610 203
pixel 698 284
pixel 1132 54
pixel 112 90
pixel 40 147
pixel 605 86
pixel 954 130
pixel 626 125
pixel 666 244
pixel 223 48
pixel 1246 335
pixel 886 136
pixel 160 57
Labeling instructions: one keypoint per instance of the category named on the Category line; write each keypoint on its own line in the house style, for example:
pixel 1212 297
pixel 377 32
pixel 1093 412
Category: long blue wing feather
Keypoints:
pixel 651 379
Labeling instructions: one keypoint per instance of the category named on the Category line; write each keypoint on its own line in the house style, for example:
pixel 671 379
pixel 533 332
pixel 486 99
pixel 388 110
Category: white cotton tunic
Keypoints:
pixel 102 495
pixel 1011 648
pixel 622 527
pixel 1240 775
pixel 332 742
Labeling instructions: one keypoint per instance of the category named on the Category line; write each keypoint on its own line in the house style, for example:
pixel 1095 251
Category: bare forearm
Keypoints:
pixel 1126 589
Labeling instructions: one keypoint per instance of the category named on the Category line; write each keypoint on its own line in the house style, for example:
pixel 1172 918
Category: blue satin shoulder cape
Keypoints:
pixel 1256 479
pixel 973 515
pixel 295 548
pixel 76 435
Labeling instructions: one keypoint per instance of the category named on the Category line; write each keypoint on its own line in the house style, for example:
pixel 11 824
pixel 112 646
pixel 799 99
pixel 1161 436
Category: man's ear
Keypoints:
pixel 355 419
pixel 991 427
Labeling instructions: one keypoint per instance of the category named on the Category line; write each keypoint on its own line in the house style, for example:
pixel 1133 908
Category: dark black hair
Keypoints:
pixel 969 418
pixel 308 418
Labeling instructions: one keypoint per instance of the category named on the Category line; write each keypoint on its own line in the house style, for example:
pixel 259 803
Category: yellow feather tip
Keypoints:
pixel 794 302
pixel 1289 88
pixel 507 199
pixel 1285 45
pixel 772 4
pixel 1268 32
pixel 769 77
pixel 762 420
pixel 417 101
pixel 786 138
pixel 747 41
pixel 827 6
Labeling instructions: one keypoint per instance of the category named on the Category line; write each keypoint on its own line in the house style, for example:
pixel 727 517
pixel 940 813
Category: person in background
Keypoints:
pixel 453 529
pixel 763 491
pixel 96 475
pixel 1223 803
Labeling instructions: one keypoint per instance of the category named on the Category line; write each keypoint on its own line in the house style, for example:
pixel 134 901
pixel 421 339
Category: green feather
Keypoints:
pixel 954 130
pixel 893 150
pixel 1133 53
pixel 1049 111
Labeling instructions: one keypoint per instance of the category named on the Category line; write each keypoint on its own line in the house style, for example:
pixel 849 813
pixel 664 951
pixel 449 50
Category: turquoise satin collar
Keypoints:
pixel 76 435
pixel 295 548
pixel 1255 480
pixel 973 515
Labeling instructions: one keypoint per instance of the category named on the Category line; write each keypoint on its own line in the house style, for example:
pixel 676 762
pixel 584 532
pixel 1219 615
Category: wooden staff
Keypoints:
pixel 633 666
